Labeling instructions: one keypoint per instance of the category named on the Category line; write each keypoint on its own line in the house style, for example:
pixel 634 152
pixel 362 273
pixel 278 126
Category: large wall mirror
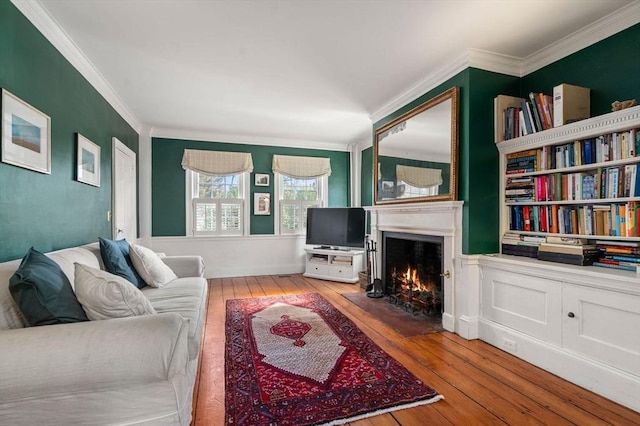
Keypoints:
pixel 415 156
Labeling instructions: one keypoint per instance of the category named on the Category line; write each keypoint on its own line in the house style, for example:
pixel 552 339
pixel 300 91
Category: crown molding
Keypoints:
pixel 204 136
pixel 607 26
pixel 42 20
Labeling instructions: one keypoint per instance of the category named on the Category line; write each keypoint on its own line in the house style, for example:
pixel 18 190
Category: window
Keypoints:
pixel 300 183
pixel 217 203
pixel 295 196
pixel 217 184
pixel 409 191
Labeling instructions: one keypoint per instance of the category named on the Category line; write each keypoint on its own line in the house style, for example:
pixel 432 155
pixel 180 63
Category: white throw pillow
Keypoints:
pixel 104 295
pixel 150 266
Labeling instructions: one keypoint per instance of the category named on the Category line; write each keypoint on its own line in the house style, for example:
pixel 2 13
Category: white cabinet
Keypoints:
pixel 334 265
pixel 602 325
pixel 580 323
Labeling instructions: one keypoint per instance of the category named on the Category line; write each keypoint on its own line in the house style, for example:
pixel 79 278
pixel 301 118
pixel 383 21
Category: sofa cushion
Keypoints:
pixel 150 266
pixel 117 260
pixel 104 295
pixel 187 297
pixel 43 292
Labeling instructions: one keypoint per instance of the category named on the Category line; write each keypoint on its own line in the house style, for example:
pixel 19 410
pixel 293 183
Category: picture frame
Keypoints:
pixel 87 161
pixel 261 179
pixel 26 135
pixel 261 204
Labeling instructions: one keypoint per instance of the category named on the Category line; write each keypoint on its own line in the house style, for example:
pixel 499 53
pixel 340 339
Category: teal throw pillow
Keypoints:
pixel 115 255
pixel 43 292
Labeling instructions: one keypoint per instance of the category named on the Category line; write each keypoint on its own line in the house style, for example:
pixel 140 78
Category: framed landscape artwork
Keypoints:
pixel 88 162
pixel 262 204
pixel 262 179
pixel 26 135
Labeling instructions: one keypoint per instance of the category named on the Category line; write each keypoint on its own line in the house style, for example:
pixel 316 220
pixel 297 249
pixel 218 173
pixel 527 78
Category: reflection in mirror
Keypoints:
pixel 416 154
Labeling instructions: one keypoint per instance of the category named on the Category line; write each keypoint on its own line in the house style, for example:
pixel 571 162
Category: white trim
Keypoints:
pixel 44 22
pixel 605 27
pixel 204 136
pixel 611 24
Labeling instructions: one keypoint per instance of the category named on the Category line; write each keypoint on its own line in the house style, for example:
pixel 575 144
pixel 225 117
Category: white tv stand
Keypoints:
pixel 334 265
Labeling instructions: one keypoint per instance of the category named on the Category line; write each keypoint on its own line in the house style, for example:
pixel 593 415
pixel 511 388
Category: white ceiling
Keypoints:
pixel 309 72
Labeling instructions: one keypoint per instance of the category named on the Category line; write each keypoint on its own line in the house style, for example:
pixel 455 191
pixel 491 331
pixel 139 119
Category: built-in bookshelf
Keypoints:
pixel 580 180
pixel 563 294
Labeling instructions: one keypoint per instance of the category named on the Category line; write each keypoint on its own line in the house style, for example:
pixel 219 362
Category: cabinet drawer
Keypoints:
pixel 343 271
pixel 317 268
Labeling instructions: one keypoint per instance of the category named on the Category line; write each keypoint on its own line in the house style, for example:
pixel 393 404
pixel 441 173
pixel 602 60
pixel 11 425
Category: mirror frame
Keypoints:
pixel 450 94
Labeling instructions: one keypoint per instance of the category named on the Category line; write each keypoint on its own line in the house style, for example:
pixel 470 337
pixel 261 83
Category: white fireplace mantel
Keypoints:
pixel 430 218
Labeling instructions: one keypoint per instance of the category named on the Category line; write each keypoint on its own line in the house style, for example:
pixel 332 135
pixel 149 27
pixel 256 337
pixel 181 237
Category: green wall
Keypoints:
pixel 477 156
pixel 51 212
pixel 168 181
pixel 610 68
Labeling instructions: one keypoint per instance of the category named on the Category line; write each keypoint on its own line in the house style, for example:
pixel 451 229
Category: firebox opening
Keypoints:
pixel 412 265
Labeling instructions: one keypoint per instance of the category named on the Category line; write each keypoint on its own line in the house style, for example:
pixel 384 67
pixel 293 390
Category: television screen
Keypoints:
pixel 333 227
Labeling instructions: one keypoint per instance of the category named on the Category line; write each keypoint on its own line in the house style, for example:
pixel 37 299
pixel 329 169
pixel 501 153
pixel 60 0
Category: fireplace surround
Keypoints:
pixel 435 221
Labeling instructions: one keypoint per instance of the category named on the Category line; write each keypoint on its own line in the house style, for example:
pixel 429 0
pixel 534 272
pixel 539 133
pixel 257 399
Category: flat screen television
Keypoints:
pixel 336 227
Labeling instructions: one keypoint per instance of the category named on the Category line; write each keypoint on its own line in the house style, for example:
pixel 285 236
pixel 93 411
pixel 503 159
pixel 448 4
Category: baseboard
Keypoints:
pixel 614 384
pixel 468 327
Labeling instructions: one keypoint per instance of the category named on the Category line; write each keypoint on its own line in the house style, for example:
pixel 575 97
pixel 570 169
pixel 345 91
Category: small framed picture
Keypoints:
pixel 26 135
pixel 88 161
pixel 262 204
pixel 262 179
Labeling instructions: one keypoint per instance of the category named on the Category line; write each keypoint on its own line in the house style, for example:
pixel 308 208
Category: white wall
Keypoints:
pixel 239 256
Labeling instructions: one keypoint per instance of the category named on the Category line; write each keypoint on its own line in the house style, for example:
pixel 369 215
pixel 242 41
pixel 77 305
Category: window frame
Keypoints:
pixel 321 201
pixel 191 190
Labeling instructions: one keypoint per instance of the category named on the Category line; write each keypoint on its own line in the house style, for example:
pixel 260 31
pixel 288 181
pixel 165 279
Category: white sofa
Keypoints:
pixel 137 370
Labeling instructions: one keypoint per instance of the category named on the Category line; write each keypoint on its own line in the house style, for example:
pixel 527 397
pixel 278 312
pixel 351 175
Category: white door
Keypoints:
pixel 124 183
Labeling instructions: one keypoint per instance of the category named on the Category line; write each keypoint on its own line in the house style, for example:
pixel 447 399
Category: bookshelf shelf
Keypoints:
pixel 530 180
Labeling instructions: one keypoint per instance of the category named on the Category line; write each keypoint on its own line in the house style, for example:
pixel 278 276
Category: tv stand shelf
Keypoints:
pixel 334 265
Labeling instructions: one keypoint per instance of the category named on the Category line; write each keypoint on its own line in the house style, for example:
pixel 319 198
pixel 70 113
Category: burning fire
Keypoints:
pixel 411 280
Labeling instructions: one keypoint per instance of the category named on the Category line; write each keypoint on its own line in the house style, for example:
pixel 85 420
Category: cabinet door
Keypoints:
pixel 525 303
pixel 603 325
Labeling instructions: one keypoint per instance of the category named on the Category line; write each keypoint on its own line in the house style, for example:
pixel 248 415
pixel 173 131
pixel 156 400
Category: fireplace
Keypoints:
pixel 439 224
pixel 412 276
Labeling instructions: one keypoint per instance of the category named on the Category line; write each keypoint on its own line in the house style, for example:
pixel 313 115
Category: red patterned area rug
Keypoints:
pixel 296 360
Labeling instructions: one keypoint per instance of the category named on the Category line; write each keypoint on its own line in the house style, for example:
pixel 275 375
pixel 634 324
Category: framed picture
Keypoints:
pixel 88 161
pixel 262 179
pixel 262 204
pixel 26 135
pixel 387 185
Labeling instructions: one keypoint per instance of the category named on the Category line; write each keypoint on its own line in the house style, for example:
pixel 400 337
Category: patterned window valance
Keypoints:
pixel 301 167
pixel 419 177
pixel 217 163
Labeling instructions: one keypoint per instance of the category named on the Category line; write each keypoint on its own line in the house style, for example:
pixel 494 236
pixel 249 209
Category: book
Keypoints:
pixel 621 267
pixel 587 249
pixel 570 103
pixel 570 259
pixel 503 117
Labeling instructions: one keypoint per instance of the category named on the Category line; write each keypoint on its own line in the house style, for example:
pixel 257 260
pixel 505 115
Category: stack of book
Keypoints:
pixel 623 255
pixel 521 245
pixel 520 188
pixel 522 162
pixel 572 251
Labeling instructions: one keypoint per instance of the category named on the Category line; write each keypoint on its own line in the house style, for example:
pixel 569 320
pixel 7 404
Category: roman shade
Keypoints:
pixel 301 167
pixel 419 177
pixel 217 163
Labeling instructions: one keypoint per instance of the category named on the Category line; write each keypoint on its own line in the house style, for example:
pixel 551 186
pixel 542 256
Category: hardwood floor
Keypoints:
pixel 481 384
